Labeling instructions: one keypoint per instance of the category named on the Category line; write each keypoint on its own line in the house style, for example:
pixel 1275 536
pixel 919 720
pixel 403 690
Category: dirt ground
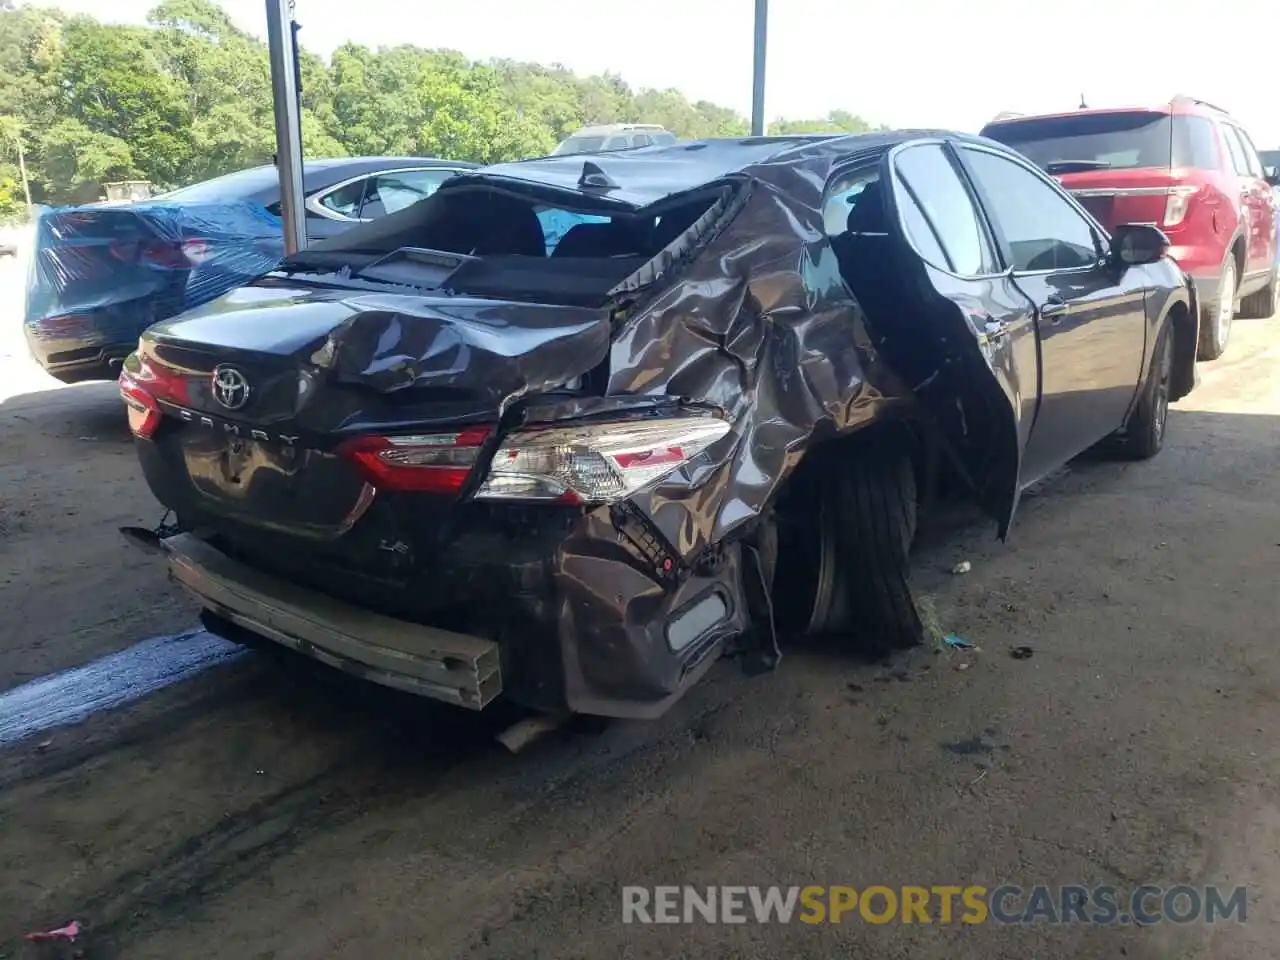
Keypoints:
pixel 262 811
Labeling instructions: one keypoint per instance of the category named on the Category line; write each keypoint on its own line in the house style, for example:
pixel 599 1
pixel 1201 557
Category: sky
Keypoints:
pixel 905 63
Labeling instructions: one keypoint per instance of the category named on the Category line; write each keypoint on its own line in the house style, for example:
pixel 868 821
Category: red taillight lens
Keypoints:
pixel 431 463
pixel 144 412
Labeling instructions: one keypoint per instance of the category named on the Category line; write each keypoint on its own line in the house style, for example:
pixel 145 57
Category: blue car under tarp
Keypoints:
pixel 100 275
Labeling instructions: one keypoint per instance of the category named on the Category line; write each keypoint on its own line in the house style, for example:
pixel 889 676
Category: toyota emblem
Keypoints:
pixel 230 388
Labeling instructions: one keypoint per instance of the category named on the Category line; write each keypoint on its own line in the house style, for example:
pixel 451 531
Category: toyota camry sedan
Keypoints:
pixel 446 455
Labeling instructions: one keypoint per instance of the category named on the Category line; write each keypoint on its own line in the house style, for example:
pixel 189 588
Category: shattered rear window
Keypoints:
pixel 497 242
pixel 556 223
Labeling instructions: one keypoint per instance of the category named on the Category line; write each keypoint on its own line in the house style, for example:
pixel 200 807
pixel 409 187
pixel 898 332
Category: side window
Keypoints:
pixel 947 210
pixel 1193 143
pixel 849 192
pixel 664 139
pixel 1236 149
pixel 389 192
pixel 1040 227
pixel 345 201
pixel 1250 153
pixel 641 140
pixel 920 231
pixel 618 142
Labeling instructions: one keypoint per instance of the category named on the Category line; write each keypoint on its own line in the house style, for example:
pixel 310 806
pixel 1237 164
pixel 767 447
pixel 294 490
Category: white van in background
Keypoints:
pixel 614 136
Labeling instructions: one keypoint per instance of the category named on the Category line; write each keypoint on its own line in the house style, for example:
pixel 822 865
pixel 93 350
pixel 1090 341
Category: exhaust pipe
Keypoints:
pixel 148 541
pixel 524 732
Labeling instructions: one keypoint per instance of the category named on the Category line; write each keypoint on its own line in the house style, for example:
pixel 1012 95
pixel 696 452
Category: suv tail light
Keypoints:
pixel 587 463
pixel 1175 206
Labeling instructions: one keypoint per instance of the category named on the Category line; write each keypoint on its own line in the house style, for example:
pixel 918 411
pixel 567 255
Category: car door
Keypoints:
pixel 1089 315
pixel 966 335
pixel 1257 197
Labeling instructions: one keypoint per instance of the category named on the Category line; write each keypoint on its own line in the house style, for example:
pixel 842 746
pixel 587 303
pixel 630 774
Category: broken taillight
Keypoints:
pixel 144 412
pixel 595 462
pixel 587 463
pixel 142 385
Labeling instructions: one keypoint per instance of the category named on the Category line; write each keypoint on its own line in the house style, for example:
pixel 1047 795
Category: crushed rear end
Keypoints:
pixel 431 453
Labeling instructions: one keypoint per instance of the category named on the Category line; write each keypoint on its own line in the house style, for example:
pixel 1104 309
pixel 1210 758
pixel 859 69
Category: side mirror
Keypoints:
pixel 1134 244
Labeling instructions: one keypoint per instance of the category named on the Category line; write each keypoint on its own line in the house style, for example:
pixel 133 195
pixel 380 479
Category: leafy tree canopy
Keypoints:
pixel 188 97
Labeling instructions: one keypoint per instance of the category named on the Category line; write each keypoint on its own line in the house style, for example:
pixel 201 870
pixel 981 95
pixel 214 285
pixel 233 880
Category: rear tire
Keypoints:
pixel 1143 435
pixel 1215 319
pixel 845 527
pixel 1262 305
pixel 876 523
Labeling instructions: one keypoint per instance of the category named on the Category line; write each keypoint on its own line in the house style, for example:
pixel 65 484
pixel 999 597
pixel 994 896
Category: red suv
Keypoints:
pixel 1186 167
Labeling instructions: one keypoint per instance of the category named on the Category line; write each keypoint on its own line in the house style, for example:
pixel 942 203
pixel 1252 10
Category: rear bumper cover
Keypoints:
pixel 575 627
pixel 439 664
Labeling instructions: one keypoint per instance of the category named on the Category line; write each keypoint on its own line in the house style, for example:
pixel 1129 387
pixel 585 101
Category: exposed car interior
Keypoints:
pixel 502 248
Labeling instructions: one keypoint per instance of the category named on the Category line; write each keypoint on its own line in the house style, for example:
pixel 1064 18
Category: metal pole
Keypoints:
pixel 22 172
pixel 757 87
pixel 284 95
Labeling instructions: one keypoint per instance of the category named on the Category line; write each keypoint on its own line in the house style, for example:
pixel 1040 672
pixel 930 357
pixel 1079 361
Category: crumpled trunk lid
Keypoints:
pixel 260 388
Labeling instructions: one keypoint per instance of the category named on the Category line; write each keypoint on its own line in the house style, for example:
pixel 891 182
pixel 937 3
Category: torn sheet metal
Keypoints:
pixel 763 326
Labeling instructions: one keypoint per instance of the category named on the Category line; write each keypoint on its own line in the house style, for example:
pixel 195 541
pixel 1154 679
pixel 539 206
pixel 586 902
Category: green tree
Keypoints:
pixel 115 85
pixel 189 97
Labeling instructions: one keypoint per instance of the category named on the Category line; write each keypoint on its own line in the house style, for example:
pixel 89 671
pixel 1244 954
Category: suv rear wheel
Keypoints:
pixel 1262 305
pixel 1215 323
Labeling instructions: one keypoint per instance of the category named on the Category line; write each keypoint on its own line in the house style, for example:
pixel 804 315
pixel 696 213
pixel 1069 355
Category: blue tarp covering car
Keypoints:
pixel 100 275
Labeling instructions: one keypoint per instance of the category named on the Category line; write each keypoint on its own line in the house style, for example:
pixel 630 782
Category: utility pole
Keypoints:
pixel 757 87
pixel 282 51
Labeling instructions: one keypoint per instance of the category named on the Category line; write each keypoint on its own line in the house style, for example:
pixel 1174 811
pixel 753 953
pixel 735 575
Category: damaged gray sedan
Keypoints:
pixel 440 455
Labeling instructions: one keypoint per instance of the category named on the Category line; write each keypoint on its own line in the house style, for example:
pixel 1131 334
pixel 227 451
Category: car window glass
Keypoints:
pixel 389 192
pixel 1250 153
pixel 1041 228
pixel 1235 149
pixel 945 203
pixel 617 143
pixel 556 223
pixel 664 139
pixel 345 200
pixel 919 230
pixel 843 195
pixel 1193 143
pixel 641 140
pixel 1108 141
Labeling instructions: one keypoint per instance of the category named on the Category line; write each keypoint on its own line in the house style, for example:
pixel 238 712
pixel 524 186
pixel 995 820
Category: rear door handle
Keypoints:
pixel 1055 308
